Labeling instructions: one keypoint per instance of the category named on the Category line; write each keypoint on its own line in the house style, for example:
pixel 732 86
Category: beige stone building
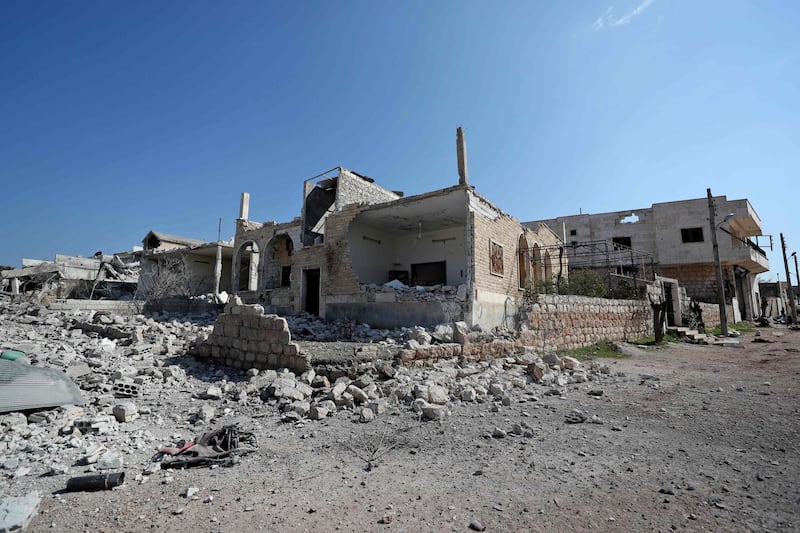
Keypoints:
pixel 677 236
pixel 361 252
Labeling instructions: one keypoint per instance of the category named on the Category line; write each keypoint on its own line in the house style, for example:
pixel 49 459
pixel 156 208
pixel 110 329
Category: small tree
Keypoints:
pixel 167 277
pixel 584 282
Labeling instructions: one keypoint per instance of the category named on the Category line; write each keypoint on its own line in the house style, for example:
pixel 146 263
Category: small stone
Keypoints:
pixel 190 492
pixel 476 525
pixel 206 412
pixel 575 417
pixel 366 415
pixel 213 393
pixel 111 460
pixel 498 433
pixel 468 395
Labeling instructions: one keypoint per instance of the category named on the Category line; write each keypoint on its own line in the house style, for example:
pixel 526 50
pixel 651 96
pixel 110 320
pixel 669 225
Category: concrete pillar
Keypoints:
pixel 14 285
pixel 253 281
pixel 461 150
pixel 244 206
pixel 217 269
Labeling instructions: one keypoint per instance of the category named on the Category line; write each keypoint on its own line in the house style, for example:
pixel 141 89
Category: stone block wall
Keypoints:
pixel 699 280
pixel 337 273
pixel 496 295
pixel 556 322
pixel 711 314
pixel 245 337
pixel 351 189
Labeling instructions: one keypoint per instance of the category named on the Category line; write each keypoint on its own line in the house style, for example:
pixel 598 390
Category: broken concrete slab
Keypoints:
pixel 16 511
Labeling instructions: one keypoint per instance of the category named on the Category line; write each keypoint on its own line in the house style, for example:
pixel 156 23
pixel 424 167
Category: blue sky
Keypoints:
pixel 121 117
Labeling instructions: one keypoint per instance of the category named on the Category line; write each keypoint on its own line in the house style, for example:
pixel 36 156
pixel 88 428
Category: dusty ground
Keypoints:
pixel 711 444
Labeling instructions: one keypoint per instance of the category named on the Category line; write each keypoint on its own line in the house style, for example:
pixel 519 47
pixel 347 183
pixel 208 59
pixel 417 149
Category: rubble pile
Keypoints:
pixel 143 390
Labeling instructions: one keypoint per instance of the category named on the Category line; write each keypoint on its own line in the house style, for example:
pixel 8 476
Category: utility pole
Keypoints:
pixel 794 254
pixel 789 291
pixel 723 312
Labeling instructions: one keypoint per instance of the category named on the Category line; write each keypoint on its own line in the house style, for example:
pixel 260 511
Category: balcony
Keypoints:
pixel 744 253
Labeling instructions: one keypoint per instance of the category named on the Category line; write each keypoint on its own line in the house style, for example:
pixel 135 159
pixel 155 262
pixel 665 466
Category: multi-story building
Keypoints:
pixel 678 237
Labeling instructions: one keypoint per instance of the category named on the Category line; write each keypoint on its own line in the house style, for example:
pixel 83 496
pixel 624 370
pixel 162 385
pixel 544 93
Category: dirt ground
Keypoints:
pixel 690 438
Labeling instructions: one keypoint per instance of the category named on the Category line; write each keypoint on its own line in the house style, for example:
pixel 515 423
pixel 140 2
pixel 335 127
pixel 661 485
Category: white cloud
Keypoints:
pixel 609 20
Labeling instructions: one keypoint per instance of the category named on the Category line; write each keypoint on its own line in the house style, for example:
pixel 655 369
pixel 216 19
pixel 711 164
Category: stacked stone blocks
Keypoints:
pixel 556 322
pixel 245 337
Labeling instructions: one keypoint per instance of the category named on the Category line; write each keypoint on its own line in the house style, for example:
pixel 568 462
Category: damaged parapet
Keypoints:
pixel 245 337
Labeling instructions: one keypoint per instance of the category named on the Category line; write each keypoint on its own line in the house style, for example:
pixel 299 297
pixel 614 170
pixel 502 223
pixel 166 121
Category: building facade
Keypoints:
pixel 678 237
pixel 361 252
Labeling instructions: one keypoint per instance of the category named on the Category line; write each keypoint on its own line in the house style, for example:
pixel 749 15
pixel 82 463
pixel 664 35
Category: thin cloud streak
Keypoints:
pixel 608 19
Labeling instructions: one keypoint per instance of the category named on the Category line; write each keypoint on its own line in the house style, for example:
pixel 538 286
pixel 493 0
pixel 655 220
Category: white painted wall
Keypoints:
pixel 372 261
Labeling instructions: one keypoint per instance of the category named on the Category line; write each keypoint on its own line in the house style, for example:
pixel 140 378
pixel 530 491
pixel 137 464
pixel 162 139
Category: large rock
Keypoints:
pixel 438 395
pixel 358 395
pixel 443 333
pixel 570 363
pixel 551 359
pixel 317 412
pixel 537 370
pixel 434 412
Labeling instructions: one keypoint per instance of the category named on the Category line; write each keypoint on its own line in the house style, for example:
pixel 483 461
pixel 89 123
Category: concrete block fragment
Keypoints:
pixel 206 412
pixel 126 389
pixel 125 412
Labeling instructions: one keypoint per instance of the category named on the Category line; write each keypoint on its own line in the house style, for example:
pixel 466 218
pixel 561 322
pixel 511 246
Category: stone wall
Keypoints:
pixel 555 322
pixel 700 280
pixel 245 337
pixel 352 189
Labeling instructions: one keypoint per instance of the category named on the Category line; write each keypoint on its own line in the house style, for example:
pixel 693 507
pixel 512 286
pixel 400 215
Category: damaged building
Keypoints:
pixel 173 265
pixel 102 276
pixel 677 237
pixel 360 252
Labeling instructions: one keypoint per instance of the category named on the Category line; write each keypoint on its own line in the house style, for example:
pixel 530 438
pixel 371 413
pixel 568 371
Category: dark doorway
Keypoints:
pixel 428 274
pixel 311 291
pixel 668 304
pixel 741 293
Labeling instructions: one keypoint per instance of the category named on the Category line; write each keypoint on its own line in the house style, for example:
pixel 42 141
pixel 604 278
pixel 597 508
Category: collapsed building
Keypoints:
pixel 110 276
pixel 360 252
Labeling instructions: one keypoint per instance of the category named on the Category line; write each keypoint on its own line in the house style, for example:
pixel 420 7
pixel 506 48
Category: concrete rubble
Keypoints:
pixel 144 390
